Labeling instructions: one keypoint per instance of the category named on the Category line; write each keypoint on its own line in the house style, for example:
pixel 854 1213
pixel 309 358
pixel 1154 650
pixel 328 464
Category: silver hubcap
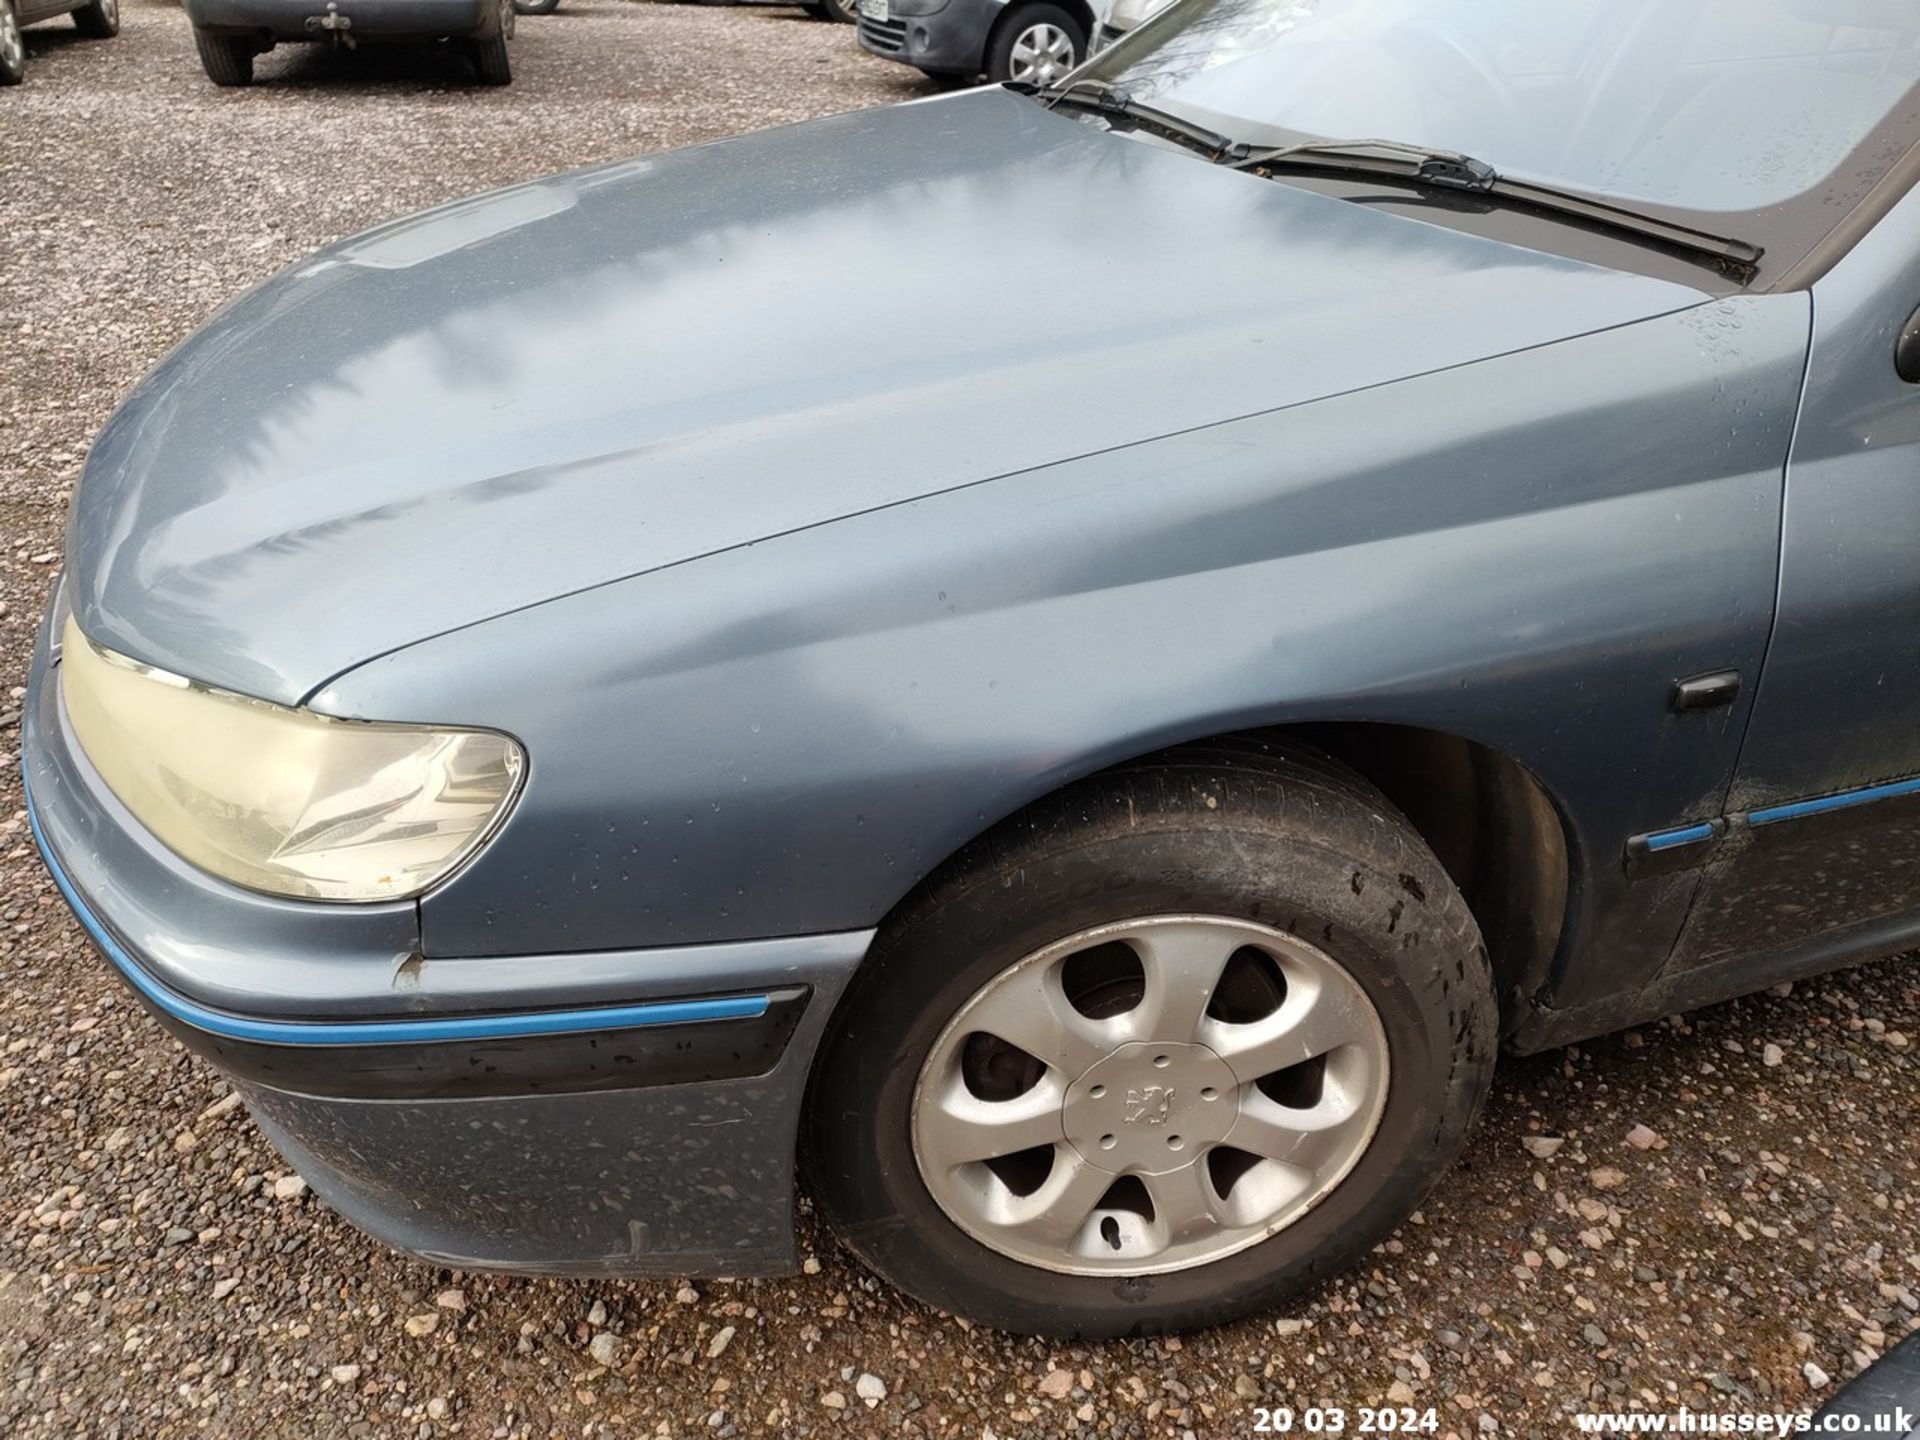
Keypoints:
pixel 12 49
pixel 111 9
pixel 1041 54
pixel 1150 1095
pixel 507 16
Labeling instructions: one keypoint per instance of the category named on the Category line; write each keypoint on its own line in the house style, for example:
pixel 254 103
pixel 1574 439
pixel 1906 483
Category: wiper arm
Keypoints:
pixel 1103 99
pixel 1393 160
pixel 1389 158
pixel 1397 161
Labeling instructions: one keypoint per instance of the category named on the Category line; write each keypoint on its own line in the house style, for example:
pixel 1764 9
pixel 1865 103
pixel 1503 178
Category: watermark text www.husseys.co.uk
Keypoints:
pixel 1892 1421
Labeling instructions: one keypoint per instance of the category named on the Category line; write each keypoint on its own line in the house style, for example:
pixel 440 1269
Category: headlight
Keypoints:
pixel 281 800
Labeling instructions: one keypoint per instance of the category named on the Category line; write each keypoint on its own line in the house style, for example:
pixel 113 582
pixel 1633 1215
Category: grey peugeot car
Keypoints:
pixel 592 726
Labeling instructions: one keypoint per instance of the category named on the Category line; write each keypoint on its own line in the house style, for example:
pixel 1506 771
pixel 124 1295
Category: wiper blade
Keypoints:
pixel 1390 158
pixel 1103 99
pixel 1393 160
pixel 1397 161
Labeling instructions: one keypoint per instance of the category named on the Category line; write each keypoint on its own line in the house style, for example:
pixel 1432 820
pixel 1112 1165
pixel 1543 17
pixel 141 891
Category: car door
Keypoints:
pixel 1818 856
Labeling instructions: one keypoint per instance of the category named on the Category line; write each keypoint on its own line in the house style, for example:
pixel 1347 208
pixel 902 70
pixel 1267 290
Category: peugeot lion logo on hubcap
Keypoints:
pixel 1149 1105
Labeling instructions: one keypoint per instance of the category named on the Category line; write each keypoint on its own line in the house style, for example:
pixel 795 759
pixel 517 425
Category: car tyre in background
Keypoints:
pixel 1035 44
pixel 13 46
pixel 98 21
pixel 844 12
pixel 227 59
pixel 491 63
pixel 1158 1052
pixel 535 7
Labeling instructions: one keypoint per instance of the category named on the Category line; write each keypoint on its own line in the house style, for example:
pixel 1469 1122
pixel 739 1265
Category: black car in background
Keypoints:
pixel 96 19
pixel 229 33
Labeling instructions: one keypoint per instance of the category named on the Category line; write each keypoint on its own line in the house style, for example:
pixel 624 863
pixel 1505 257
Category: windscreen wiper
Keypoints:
pixel 1394 161
pixel 1100 98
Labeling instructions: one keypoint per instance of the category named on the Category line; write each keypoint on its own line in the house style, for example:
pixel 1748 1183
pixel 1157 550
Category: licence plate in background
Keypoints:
pixel 876 9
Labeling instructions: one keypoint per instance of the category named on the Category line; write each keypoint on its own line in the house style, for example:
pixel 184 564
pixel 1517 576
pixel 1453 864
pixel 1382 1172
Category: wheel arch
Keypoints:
pixel 1496 828
pixel 1082 12
pixel 1431 989
pixel 1078 9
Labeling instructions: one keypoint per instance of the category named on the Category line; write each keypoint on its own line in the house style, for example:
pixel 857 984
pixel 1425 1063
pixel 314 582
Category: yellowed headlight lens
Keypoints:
pixel 283 800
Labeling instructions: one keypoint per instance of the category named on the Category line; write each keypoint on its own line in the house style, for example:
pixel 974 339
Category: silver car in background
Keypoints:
pixel 1124 17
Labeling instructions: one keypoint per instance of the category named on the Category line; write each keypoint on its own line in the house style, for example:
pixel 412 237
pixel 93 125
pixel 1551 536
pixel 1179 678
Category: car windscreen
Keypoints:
pixel 1706 106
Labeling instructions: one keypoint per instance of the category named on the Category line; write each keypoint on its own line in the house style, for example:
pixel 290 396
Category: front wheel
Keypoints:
pixel 841 12
pixel 227 59
pixel 13 46
pixel 1035 44
pixel 1162 1052
pixel 535 7
pixel 99 20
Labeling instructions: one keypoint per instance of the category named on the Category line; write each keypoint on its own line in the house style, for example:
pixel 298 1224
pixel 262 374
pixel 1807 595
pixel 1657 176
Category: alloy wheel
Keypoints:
pixel 1150 1095
pixel 1041 54
pixel 13 47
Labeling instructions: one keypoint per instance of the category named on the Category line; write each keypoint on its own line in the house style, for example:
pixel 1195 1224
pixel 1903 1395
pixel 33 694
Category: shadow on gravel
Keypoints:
pixel 51 39
pixel 433 65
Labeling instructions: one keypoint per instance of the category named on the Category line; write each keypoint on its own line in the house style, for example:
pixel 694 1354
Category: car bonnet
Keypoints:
pixel 584 378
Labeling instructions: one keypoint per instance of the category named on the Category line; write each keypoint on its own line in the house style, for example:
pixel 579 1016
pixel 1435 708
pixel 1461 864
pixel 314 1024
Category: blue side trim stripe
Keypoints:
pixel 388 1032
pixel 1845 799
pixel 1688 835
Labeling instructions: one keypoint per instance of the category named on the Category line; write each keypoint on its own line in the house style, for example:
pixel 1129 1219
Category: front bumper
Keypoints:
pixel 951 40
pixel 615 1112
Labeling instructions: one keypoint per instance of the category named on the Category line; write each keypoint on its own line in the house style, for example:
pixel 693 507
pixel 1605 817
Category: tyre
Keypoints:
pixel 227 59
pixel 1035 44
pixel 99 20
pixel 13 47
pixel 535 7
pixel 841 12
pixel 491 63
pixel 1160 1052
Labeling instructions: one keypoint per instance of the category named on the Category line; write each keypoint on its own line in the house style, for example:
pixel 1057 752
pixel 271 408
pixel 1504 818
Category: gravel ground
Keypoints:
pixel 1726 1220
